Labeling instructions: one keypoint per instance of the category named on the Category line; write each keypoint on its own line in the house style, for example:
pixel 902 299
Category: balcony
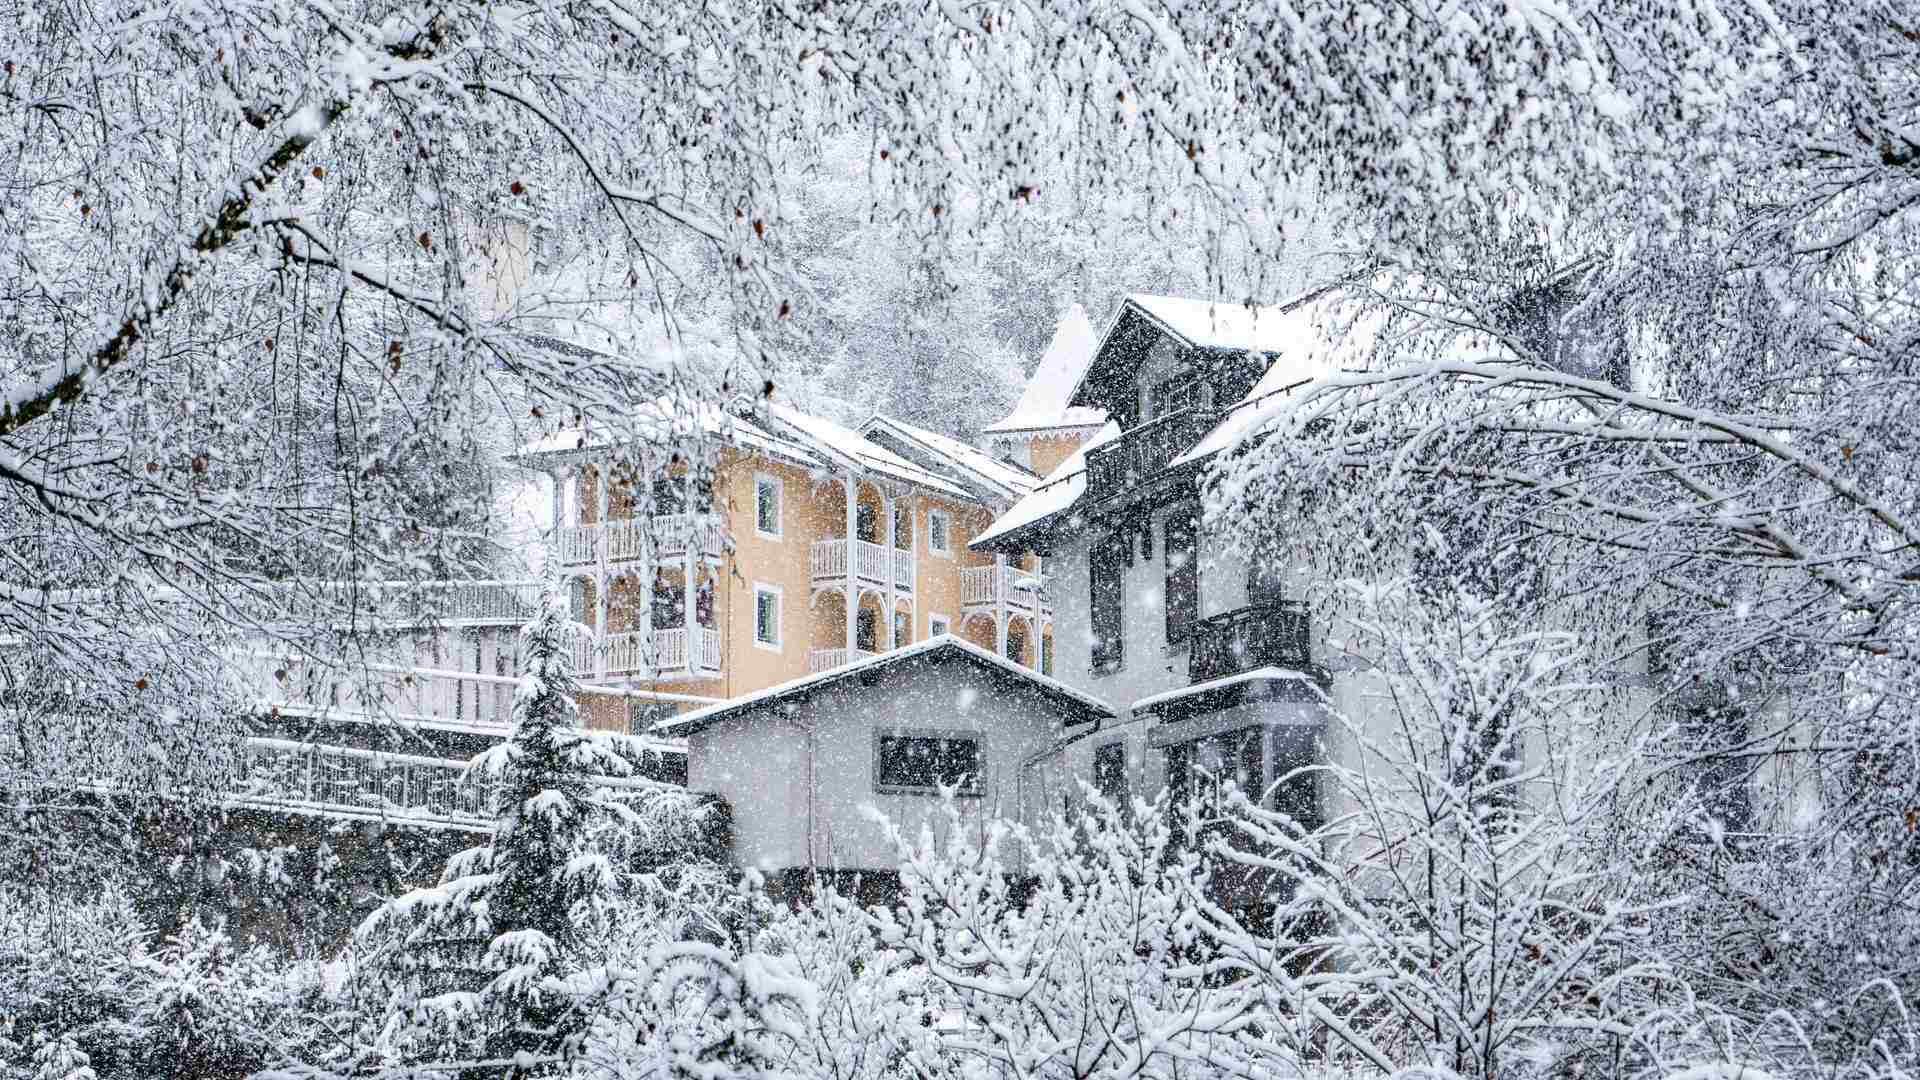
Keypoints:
pixel 297 685
pixel 405 603
pixel 875 565
pixel 622 540
pixel 819 660
pixel 985 587
pixel 628 654
pixel 1144 453
pixel 337 781
pixel 1256 636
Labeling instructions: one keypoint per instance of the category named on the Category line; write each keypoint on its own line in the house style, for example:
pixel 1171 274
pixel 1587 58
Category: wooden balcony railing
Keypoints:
pixel 647 652
pixel 1256 636
pixel 296 684
pixel 984 586
pixel 874 564
pixel 819 660
pixel 669 535
pixel 1143 453
pixel 280 773
pixel 403 603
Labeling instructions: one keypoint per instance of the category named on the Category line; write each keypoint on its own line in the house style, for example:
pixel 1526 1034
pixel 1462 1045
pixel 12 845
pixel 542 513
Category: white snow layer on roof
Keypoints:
pixel 989 469
pixel 1304 350
pixel 665 728
pixel 1044 403
pixel 1220 324
pixel 1256 675
pixel 850 445
pixel 663 421
pixel 1061 489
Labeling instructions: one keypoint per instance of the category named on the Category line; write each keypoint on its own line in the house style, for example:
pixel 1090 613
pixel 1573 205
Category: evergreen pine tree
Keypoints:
pixel 487 952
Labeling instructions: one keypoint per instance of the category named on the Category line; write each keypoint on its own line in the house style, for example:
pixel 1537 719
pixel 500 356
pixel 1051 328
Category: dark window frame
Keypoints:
pixel 972 786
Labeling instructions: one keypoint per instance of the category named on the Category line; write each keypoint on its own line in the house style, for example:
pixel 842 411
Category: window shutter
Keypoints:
pixel 1183 576
pixel 1104 562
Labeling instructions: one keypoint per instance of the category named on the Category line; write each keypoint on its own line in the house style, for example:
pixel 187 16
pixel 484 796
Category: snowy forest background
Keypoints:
pixel 1638 284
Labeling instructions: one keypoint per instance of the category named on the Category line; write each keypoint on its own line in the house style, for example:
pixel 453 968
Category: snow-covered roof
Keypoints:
pixel 972 463
pixel 1061 489
pixel 1259 674
pixel 1222 324
pixel 1045 403
pixel 838 442
pixel 666 421
pixel 1309 351
pixel 689 722
pixel 780 431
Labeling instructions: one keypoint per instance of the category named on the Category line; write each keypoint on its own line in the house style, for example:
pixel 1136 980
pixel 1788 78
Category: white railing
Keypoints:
pixel 819 660
pixel 627 653
pixel 628 538
pixel 828 558
pixel 872 562
pixel 988 585
pixel 407 603
pixel 297 684
pixel 283 773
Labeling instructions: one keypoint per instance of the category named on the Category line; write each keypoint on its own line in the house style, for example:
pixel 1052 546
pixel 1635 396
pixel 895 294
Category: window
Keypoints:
pixel 766 616
pixel 903 528
pixel 1170 395
pixel 938 541
pixel 902 628
pixel 937 625
pixel 767 497
pixel 1046 654
pixel 920 762
pixel 669 603
pixel 1105 564
pixel 1711 734
pixel 1183 575
pixel 1110 774
pixel 1296 793
pixel 642 715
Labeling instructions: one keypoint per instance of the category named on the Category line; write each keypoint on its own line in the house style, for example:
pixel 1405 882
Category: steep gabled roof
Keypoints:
pixel 1045 403
pixel 1080 707
pixel 987 476
pixel 841 444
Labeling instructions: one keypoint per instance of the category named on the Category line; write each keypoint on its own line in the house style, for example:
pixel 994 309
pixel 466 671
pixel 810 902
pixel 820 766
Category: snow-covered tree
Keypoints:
pixel 1472 904
pixel 484 956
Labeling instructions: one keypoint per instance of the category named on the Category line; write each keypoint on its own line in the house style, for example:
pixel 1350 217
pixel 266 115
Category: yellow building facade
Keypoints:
pixel 809 545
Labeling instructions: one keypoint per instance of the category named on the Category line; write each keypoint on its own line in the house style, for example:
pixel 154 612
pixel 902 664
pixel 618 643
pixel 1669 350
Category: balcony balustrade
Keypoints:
pixel 874 565
pixel 628 653
pixel 402 603
pixel 819 660
pixel 1143 453
pixel 986 586
pixel 1256 636
pixel 411 694
pixel 625 539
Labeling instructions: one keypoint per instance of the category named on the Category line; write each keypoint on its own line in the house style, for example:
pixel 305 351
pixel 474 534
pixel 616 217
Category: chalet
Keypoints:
pixel 800 762
pixel 1213 660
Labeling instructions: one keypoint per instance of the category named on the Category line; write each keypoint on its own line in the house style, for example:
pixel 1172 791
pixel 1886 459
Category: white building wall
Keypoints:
pixel 767 761
pixel 759 766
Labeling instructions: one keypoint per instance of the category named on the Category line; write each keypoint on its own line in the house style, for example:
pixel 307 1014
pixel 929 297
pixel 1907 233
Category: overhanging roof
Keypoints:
pixel 1080 707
